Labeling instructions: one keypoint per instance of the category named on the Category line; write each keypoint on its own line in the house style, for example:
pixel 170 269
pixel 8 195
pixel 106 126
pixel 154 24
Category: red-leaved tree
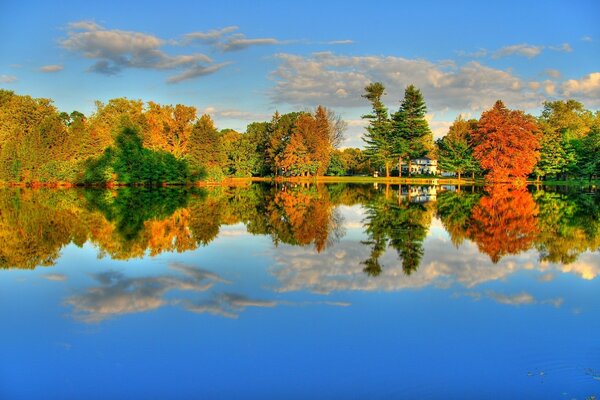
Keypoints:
pixel 506 143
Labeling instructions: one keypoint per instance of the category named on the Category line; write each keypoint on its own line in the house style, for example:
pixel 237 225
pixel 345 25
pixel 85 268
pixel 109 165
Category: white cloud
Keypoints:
pixel 225 40
pixel 587 38
pixel 346 41
pixel 587 88
pixel 438 128
pixel 209 37
pixel 231 113
pixel 115 50
pixel 239 41
pixel 196 71
pixel 565 48
pixel 553 73
pixel 339 81
pixel 549 87
pixel 51 68
pixel 8 78
pixel 475 54
pixel 525 50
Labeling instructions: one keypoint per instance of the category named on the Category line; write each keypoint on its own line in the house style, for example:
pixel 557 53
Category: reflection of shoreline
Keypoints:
pixel 129 222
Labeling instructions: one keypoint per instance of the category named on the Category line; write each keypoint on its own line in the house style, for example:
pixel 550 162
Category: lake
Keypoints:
pixel 300 291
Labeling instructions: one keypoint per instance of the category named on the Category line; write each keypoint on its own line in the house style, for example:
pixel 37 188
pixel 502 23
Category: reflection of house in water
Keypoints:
pixel 419 194
pixel 422 166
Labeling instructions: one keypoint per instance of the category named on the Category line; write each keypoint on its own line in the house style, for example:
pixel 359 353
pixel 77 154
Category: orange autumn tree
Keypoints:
pixel 506 143
pixel 505 221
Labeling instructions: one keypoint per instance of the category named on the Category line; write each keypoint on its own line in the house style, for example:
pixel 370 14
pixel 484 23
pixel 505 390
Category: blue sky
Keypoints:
pixel 240 61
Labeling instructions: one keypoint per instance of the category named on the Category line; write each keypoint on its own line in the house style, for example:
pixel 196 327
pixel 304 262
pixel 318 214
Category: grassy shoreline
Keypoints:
pixel 232 181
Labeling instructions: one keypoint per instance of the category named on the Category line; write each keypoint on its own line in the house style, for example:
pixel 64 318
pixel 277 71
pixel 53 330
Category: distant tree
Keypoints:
pixel 506 143
pixel 168 128
pixel 380 144
pixel 455 153
pixel 412 137
pixel 295 160
pixel 588 155
pixel 105 123
pixel 127 162
pixel 258 134
pixel 337 165
pixel 241 153
pixel 321 145
pixel 205 149
pixel 556 153
pixel 564 124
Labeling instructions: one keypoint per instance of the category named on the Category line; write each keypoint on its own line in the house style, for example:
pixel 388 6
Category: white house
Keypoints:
pixel 422 166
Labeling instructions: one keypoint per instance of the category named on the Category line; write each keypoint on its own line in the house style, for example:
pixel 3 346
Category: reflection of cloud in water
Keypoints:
pixel 55 277
pixel 340 268
pixel 517 299
pixel 118 294
pixel 587 266
pixel 227 305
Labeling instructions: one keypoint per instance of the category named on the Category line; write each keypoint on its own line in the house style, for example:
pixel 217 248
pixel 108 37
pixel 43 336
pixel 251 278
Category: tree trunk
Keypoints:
pixel 473 175
pixel 399 167
pixel 387 169
pixel 409 168
pixel 459 176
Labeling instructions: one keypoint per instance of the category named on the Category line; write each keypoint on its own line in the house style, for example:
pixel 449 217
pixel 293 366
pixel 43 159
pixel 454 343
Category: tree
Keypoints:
pixel 454 151
pixel 506 143
pixel 240 152
pixel 258 135
pixel 280 131
pixel 205 149
pixel 564 124
pixel 105 123
pixel 412 136
pixel 127 162
pixel 321 144
pixel 556 154
pixel 295 160
pixel 588 154
pixel 380 146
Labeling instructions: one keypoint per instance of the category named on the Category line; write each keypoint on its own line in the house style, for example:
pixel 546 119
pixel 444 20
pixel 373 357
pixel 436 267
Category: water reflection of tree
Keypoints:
pixel 401 224
pixel 504 221
pixel 454 209
pixel 303 215
pixel 35 225
pixel 569 225
pixel 132 222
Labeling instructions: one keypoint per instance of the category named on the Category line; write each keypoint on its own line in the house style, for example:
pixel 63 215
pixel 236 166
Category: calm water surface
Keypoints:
pixel 337 291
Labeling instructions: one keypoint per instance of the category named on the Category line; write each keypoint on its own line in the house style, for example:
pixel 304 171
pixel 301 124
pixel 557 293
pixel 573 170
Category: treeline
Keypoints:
pixel 130 142
pixel 503 145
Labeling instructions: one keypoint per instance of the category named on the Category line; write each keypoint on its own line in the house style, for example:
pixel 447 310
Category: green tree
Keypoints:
pixel 206 154
pixel 455 154
pixel 412 133
pixel 258 134
pixel 380 146
pixel 588 155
